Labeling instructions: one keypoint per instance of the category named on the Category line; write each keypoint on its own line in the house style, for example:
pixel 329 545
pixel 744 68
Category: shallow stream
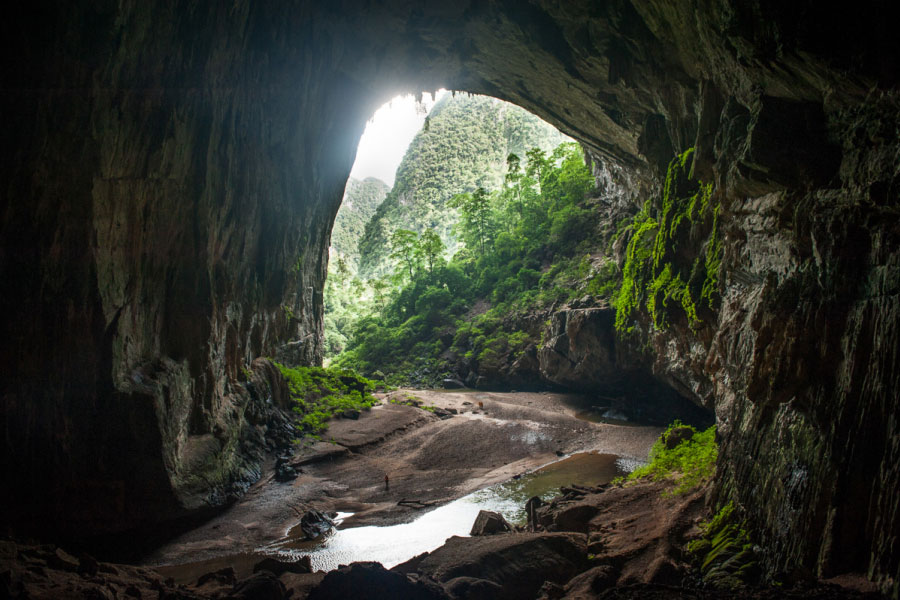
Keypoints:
pixel 394 544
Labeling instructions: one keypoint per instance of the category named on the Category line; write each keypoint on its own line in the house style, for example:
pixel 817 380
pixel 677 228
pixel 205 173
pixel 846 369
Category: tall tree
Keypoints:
pixel 431 248
pixel 405 248
pixel 475 209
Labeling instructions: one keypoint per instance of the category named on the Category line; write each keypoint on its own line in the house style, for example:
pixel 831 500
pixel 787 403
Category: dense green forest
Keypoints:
pixel 361 199
pixel 462 146
pixel 523 245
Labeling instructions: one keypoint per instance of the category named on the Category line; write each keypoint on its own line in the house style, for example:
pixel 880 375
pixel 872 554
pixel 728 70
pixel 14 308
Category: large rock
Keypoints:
pixel 371 581
pixel 515 565
pixel 488 523
pixel 580 351
pixel 315 524
pixel 260 586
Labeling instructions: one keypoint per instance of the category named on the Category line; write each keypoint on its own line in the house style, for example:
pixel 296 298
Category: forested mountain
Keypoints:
pixel 525 245
pixel 361 199
pixel 463 146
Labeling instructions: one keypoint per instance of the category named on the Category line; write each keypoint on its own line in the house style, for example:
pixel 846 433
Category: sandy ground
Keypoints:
pixel 426 458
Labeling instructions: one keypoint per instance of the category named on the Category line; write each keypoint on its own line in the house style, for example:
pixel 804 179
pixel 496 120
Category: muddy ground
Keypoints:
pixel 610 541
pixel 428 459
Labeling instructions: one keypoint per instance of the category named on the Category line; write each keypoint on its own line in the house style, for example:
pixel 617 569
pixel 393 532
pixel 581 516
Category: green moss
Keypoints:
pixel 635 274
pixel 691 462
pixel 724 552
pixel 659 275
pixel 713 262
pixel 319 394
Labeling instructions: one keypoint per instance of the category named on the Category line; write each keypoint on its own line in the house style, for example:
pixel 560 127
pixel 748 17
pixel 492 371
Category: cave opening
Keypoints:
pixel 171 175
pixel 382 271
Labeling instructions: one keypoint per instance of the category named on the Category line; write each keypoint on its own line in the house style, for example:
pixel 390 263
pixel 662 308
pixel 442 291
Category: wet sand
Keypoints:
pixel 427 459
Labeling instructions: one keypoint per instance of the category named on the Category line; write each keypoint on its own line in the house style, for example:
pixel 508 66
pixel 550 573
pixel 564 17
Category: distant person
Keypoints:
pixel 387 483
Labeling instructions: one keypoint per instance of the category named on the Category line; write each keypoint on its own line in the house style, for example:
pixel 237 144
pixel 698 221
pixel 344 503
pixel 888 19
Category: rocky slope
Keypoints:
pixel 171 174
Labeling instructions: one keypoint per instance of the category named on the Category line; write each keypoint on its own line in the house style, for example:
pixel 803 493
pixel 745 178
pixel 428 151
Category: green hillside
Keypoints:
pixel 463 146
pixel 361 199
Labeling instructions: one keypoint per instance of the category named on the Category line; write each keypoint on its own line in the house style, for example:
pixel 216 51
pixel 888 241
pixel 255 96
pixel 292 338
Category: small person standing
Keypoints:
pixel 387 483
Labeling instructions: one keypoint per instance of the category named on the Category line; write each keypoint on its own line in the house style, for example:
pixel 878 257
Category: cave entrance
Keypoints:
pixel 472 249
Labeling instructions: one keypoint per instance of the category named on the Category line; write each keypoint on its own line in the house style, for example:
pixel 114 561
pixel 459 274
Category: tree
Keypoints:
pixel 537 166
pixel 431 248
pixel 404 247
pixel 476 217
pixel 379 291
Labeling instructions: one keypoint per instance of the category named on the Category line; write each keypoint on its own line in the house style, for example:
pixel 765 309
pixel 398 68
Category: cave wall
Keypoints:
pixel 171 174
pixel 164 220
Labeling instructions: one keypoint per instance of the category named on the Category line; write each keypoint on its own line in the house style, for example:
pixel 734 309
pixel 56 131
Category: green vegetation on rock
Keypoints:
pixel 724 552
pixel 470 252
pixel 319 394
pixel 683 454
pixel 662 272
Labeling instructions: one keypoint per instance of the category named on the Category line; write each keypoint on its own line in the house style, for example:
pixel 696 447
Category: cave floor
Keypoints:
pixel 427 459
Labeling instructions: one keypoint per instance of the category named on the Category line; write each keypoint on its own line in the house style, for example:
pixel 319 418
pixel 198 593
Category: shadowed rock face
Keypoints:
pixel 171 175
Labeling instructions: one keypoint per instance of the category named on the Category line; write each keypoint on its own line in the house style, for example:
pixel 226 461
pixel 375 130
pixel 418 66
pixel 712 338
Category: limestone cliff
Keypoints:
pixel 171 172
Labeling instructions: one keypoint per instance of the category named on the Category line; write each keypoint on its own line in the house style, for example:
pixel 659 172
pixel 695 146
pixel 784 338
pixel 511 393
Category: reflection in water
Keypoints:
pixel 397 543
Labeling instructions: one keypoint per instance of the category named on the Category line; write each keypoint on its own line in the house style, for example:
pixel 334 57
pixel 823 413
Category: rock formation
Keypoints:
pixel 171 173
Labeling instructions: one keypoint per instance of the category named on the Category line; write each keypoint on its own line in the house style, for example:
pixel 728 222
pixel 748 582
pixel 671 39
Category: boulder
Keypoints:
pixel 575 517
pixel 472 588
pixel 488 523
pixel 592 581
pixel 284 471
pixel 62 561
pixel 277 567
pixel 678 435
pixel 371 581
pixel 519 564
pixel 260 586
pixel 225 575
pixel 88 565
pixel 442 413
pixel 315 524
pixel 531 508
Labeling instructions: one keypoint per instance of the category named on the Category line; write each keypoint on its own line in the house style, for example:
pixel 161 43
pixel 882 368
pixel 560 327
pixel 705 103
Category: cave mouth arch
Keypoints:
pixel 466 147
pixel 234 132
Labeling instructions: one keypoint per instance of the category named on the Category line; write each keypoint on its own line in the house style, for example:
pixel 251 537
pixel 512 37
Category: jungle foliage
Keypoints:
pixel 361 199
pixel 689 462
pixel 463 148
pixel 319 394
pixel 523 245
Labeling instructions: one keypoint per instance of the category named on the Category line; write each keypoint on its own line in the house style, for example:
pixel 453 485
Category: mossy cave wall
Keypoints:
pixel 171 173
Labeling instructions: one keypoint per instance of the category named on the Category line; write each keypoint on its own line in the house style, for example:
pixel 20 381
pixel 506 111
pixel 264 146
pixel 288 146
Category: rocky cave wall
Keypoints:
pixel 171 174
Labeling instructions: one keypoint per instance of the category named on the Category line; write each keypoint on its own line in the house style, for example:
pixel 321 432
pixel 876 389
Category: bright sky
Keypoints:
pixel 388 135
